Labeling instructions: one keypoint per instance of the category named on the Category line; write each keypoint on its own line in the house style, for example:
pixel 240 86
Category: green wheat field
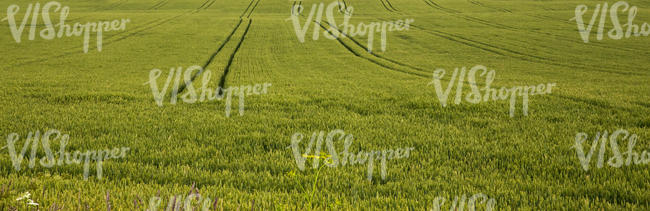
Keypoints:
pixel 241 158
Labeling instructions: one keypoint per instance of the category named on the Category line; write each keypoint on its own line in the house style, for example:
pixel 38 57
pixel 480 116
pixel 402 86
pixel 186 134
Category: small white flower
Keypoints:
pixel 32 203
pixel 26 195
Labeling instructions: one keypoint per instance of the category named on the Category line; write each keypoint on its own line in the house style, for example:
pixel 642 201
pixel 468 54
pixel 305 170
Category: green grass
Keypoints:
pixel 525 162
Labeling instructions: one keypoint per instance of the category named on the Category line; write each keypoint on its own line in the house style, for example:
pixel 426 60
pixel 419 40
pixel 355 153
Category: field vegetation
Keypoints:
pixel 382 98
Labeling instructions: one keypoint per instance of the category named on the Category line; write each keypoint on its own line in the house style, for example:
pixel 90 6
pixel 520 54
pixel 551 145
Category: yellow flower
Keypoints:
pixel 322 155
pixel 292 173
pixel 326 157
pixel 329 160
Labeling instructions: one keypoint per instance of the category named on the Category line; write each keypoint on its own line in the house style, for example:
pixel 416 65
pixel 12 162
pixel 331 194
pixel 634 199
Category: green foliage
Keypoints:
pixel 525 162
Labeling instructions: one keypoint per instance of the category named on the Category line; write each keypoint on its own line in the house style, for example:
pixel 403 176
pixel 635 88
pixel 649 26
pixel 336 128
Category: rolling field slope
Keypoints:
pixel 385 99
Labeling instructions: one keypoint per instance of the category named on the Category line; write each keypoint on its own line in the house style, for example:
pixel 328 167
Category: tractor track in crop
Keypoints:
pixel 513 53
pixel 505 51
pixel 477 3
pixel 374 54
pixel 433 4
pixel 490 48
pixel 246 10
pixel 222 81
pixel 342 7
pixel 250 12
pixel 143 27
pixel 499 9
pixel 458 14
pixel 214 54
pixel 159 5
pixel 375 58
pixel 106 42
pixel 153 24
pixel 372 57
pixel 115 5
pixel 345 5
pixel 110 39
pixel 109 7
pixel 391 5
pixel 465 41
pixel 210 5
pixel 387 6
pixel 207 4
pixel 293 11
pixel 202 5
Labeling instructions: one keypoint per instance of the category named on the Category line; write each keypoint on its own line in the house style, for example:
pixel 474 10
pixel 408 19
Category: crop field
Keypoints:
pixel 282 105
